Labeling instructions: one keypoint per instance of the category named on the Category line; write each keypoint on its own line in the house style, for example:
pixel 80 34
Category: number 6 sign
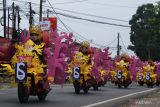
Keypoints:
pixel 76 73
pixel 147 76
pixel 119 74
pixel 21 69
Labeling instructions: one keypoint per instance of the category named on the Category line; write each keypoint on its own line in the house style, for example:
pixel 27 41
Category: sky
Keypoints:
pixel 99 34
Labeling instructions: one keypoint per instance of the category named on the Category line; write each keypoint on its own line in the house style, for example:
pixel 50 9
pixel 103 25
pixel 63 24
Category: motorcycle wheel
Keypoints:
pixel 103 84
pixel 152 84
pixel 85 90
pixel 125 85
pixel 42 96
pixel 23 94
pixel 95 87
pixel 148 85
pixel 116 83
pixel 77 87
pixel 157 83
pixel 119 86
pixel 119 83
pixel 141 84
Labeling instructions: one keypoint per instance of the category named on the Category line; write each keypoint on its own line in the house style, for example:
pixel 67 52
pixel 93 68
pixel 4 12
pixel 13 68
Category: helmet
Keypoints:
pixel 85 44
pixel 36 31
pixel 150 62
pixel 124 56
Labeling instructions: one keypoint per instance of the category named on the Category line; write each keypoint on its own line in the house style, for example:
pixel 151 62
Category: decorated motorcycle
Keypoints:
pixel 157 71
pixel 103 77
pixel 81 72
pixel 28 66
pixel 29 71
pixel 149 75
pixel 113 77
pixel 122 74
pixel 100 67
pixel 140 77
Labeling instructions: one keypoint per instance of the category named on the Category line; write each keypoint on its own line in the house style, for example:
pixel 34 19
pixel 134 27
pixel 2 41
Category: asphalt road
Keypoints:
pixel 107 96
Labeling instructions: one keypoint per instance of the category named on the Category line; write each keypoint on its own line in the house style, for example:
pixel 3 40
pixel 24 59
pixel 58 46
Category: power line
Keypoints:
pixel 90 20
pixel 59 3
pixel 83 38
pixel 76 37
pixel 62 29
pixel 111 5
pixel 57 16
pixel 66 26
pixel 1 30
pixel 123 44
pixel 61 20
pixel 102 17
pixel 111 42
pixel 78 33
pixel 70 2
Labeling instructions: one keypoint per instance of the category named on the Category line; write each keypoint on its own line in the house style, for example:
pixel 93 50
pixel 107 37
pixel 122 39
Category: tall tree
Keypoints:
pixel 145 32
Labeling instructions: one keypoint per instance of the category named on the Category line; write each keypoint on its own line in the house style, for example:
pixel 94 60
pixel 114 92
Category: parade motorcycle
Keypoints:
pixel 150 76
pixel 98 77
pixel 158 74
pixel 140 77
pixel 113 77
pixel 81 73
pixel 122 74
pixel 158 81
pixel 103 77
pixel 29 71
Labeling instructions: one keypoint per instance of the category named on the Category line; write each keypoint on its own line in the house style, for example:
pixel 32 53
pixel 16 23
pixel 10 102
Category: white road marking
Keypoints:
pixel 106 101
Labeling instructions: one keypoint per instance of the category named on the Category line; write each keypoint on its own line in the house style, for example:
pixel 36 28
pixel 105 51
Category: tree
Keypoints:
pixel 145 32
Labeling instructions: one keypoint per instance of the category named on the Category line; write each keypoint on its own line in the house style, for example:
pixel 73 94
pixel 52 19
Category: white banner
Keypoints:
pixel 45 25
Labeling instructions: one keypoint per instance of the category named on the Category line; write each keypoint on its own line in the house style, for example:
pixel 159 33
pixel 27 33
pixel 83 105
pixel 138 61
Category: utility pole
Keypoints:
pixel 8 22
pixel 4 17
pixel 118 46
pixel 40 14
pixel 18 18
pixel 31 14
pixel 48 13
pixel 13 20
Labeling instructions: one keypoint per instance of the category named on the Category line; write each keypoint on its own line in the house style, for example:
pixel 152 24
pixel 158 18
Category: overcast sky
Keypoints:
pixel 101 34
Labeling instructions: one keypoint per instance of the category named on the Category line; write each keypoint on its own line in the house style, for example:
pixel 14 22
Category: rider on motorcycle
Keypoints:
pixel 126 59
pixel 153 68
pixel 86 50
pixel 36 37
pixel 151 63
pixel 149 71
